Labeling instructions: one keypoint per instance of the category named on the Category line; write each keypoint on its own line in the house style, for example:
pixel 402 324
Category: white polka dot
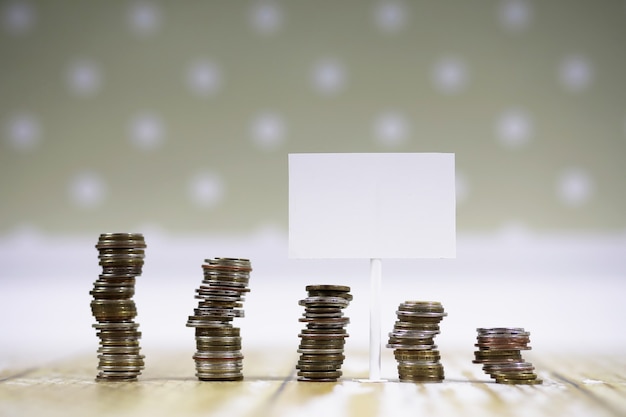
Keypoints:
pixel 390 16
pixel 84 78
pixel 206 189
pixel 268 131
pixel 329 76
pixel 87 189
pixel 23 132
pixel 144 17
pixel 575 73
pixel 19 17
pixel 204 78
pixel 461 187
pixel 147 131
pixel 514 15
pixel 450 75
pixel 266 17
pixel 574 186
pixel 514 128
pixel 391 129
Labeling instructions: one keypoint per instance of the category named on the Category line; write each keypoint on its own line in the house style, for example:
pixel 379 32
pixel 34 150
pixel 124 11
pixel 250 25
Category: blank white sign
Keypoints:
pixel 372 205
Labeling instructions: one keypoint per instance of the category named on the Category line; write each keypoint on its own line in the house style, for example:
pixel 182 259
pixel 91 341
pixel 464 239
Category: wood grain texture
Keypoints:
pixel 573 386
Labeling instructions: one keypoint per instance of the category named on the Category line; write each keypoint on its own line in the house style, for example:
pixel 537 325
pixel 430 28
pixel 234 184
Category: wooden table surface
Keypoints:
pixel 574 385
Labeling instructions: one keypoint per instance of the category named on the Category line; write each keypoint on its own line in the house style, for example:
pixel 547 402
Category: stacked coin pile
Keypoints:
pixel 121 257
pixel 218 354
pixel 499 350
pixel 413 341
pixel 322 342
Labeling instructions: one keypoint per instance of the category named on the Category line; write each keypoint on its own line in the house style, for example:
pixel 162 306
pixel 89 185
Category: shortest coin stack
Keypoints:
pixel 218 354
pixel 121 257
pixel 499 351
pixel 322 342
pixel 413 341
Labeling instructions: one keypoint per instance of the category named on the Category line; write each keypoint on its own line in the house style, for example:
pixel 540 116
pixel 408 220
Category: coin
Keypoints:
pixel 497 356
pixel 412 339
pixel 121 256
pixel 318 357
pixel 500 353
pixel 430 355
pixel 421 306
pixel 322 341
pixel 218 354
pixel 327 288
pixel 324 301
pixel 326 376
pixel 514 381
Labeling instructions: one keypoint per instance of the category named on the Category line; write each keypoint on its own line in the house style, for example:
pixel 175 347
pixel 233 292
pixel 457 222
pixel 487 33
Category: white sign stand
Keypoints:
pixel 375 309
pixel 373 206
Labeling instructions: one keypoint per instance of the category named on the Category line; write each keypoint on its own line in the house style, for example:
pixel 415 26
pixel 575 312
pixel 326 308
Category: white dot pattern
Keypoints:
pixel 266 17
pixel 87 189
pixel 514 128
pixel 575 73
pixel 204 78
pixel 268 131
pixel 84 78
pixel 390 16
pixel 144 18
pixel 206 189
pixel 450 75
pixel 515 15
pixel 18 17
pixel 172 112
pixel 23 132
pixel 575 186
pixel 392 129
pixel 329 76
pixel 147 131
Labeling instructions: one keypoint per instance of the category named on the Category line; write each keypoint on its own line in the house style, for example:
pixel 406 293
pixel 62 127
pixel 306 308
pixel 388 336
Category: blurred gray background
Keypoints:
pixel 175 119
pixel 180 115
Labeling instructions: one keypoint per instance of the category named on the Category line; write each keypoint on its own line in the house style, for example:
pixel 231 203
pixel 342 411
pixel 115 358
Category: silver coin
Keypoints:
pixel 217 355
pixel 217 312
pixel 324 301
pixel 413 334
pixel 502 330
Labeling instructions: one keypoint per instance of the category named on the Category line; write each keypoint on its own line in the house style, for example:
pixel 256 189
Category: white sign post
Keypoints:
pixel 373 206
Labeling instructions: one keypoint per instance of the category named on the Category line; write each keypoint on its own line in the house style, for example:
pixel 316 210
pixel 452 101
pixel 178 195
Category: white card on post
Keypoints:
pixel 372 205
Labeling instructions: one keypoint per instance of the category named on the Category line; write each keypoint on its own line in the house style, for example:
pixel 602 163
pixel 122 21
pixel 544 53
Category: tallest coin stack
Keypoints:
pixel 121 257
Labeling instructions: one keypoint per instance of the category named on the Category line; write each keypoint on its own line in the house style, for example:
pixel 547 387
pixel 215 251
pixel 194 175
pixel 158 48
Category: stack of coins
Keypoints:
pixel 413 341
pixel 322 342
pixel 499 351
pixel 121 257
pixel 218 354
